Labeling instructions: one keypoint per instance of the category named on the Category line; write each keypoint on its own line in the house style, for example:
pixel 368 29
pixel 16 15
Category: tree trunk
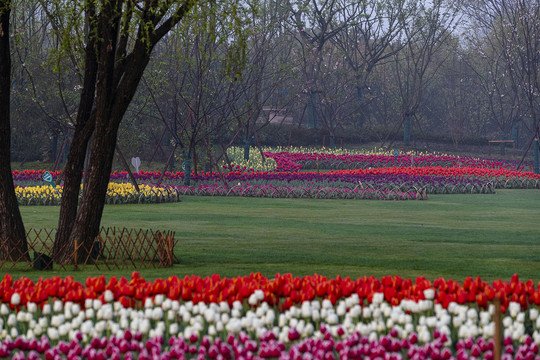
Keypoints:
pixel 63 249
pixel 13 245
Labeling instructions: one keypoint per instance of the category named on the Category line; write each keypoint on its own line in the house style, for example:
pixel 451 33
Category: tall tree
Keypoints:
pixel 119 37
pixel 13 245
pixel 416 65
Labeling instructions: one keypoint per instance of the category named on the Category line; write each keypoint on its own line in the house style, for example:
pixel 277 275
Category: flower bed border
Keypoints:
pixel 115 248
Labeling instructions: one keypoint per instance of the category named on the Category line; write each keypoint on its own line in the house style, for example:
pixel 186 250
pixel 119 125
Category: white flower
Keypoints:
pixel 52 333
pixel 520 317
pixel 332 319
pixel 12 320
pixel 533 314
pixel 507 321
pixel 224 307
pixel 378 298
pixel 21 316
pixel 31 307
pixel 259 294
pixel 212 330
pixel 429 294
pixel 148 303
pixel 157 314
pixel 46 309
pixel 514 308
pixel 167 304
pixel 97 304
pixel 4 310
pixel 15 299
pixel 43 322
pixel 90 313
pixel 14 333
pixel 58 306
pixel 158 299
pixel 108 296
pixel 219 326
pixel 30 334
pixel 63 330
pixel 173 328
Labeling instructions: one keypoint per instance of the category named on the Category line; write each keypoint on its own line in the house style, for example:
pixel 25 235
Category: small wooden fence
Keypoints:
pixel 114 248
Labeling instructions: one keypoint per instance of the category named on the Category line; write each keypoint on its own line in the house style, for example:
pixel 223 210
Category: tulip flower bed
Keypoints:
pixel 124 193
pixel 294 161
pixel 255 317
pixel 368 176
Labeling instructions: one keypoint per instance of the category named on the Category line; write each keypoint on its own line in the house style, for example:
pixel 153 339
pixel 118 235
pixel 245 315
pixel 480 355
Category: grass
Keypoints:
pixel 453 236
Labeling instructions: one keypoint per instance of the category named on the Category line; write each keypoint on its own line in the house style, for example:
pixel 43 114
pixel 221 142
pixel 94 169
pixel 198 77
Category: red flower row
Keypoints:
pixel 283 290
pixel 444 171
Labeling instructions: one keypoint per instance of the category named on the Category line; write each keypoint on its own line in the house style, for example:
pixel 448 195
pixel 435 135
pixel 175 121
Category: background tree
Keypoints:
pixel 429 29
pixel 12 234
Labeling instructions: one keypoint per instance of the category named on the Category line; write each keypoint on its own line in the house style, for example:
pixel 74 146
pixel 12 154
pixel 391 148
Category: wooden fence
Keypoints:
pixel 113 248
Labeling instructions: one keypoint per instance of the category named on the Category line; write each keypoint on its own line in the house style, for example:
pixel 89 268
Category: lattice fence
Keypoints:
pixel 113 248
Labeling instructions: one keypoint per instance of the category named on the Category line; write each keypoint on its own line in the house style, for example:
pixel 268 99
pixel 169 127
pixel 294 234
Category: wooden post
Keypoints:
pixel 497 338
pixel 75 255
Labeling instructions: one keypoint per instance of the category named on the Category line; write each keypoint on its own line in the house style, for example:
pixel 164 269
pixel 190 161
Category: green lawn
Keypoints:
pixel 454 236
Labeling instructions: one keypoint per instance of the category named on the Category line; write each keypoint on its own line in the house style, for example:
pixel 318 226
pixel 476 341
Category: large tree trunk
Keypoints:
pixel 63 249
pixel 13 245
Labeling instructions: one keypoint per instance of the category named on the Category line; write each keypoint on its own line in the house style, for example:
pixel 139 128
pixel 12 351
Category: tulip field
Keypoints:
pixel 301 255
pixel 319 175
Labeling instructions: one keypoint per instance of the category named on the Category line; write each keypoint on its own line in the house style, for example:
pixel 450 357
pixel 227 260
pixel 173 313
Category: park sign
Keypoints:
pixel 47 177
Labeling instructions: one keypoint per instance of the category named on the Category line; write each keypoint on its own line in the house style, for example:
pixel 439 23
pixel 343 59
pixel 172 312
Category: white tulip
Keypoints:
pixel 376 313
pixel 332 319
pixel 514 308
pixel 507 321
pixel 269 317
pixel 429 294
pixel 225 318
pixel 148 303
pixel 63 330
pixel 15 299
pixel 210 316
pixel 235 313
pixel 219 326
pixel 173 329
pixel 75 309
pixel 424 337
pixel 175 305
pixel 31 307
pixel 4 310
pixel 21 316
pixel 341 309
pixel 533 314
pixel 237 305
pixel 520 317
pixel 431 321
pixel 14 333
pixel 489 330
pixel 327 304
pixel 212 330
pixel 12 320
pixel 306 309
pixel 30 334
pixel 52 333
pixel 144 326
pixel 157 314
pixel 90 313
pixel 316 315
pixel 58 306
pixel 378 298
pixel 366 312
